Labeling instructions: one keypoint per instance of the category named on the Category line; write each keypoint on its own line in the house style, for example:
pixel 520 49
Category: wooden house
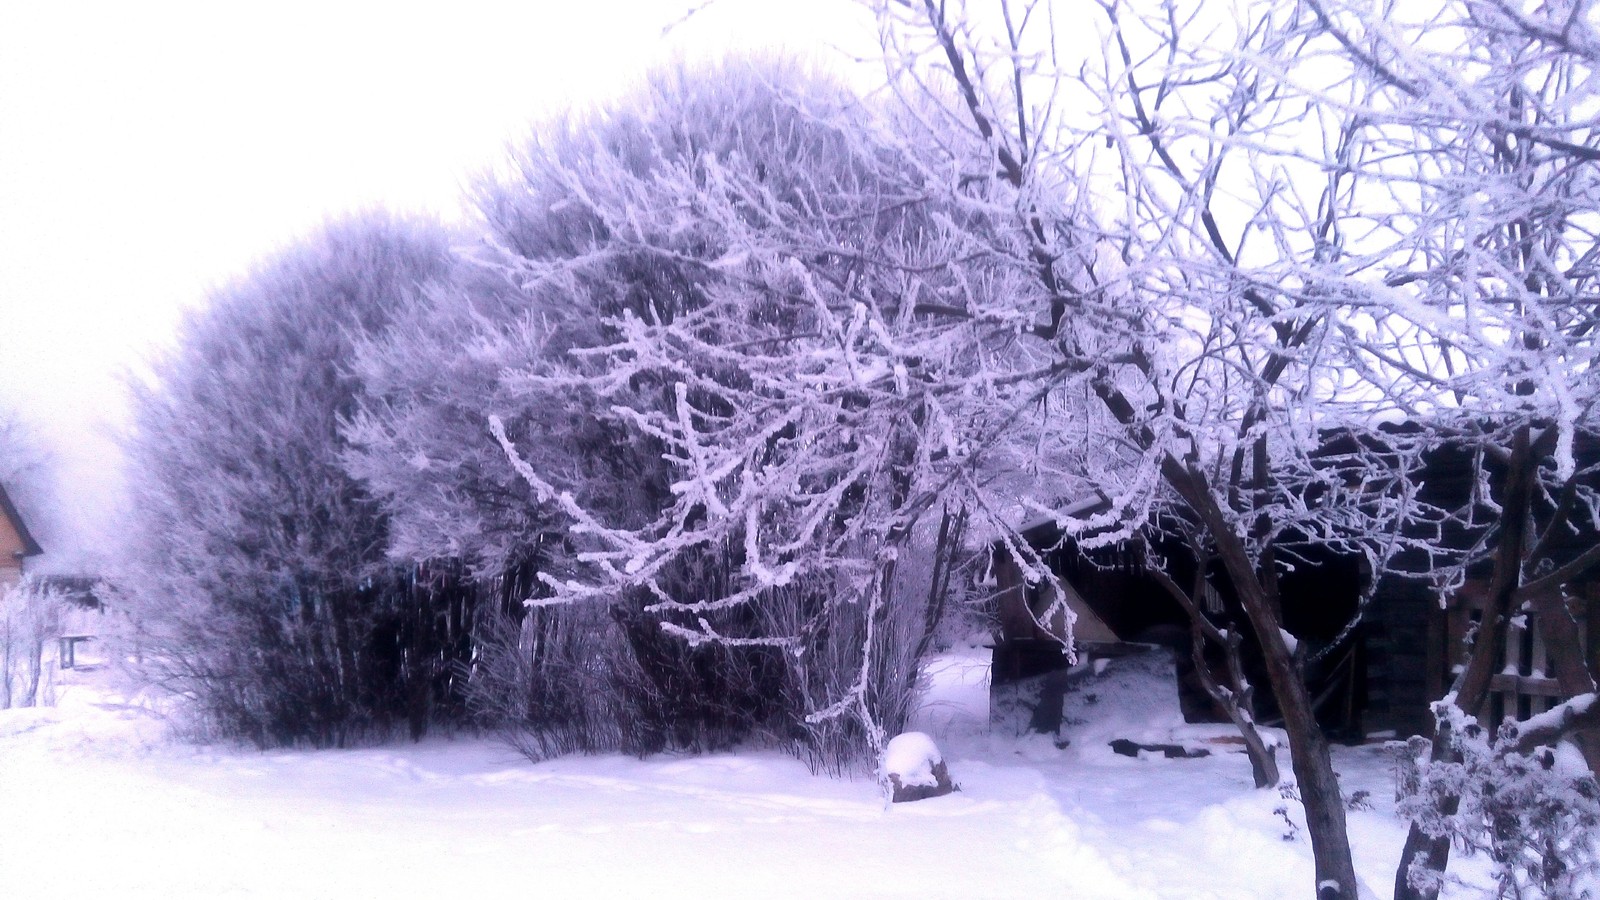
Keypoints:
pixel 1116 604
pixel 1375 678
pixel 16 543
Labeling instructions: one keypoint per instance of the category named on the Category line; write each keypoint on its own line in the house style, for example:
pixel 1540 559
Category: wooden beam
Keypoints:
pixel 1526 685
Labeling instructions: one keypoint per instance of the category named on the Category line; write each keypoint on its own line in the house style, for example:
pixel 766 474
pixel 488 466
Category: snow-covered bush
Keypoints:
pixel 758 255
pixel 592 678
pixel 256 566
pixel 30 617
pixel 672 212
pixel 1536 816
pixel 538 681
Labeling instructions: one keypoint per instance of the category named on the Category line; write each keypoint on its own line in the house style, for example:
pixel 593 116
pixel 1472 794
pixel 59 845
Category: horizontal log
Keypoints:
pixel 1526 685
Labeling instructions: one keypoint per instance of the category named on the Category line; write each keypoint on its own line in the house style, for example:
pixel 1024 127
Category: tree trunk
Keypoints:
pixel 1559 630
pixel 1310 757
pixel 35 659
pixel 1236 700
pixel 1471 688
pixel 7 659
pixel 1308 748
pixel 1237 704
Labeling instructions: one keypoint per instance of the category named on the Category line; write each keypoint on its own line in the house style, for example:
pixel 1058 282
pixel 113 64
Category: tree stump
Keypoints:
pixel 915 768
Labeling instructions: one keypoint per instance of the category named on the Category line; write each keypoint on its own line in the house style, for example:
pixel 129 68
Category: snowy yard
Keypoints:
pixel 97 801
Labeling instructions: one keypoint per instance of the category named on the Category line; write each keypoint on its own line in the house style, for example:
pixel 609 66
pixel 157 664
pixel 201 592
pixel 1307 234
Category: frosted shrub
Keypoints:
pixel 585 680
pixel 536 679
pixel 256 566
pixel 30 616
pixel 589 678
pixel 1535 818
pixel 724 431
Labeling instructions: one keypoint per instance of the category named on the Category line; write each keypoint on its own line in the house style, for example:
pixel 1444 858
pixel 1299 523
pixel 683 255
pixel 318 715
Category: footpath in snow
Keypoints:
pixel 97 800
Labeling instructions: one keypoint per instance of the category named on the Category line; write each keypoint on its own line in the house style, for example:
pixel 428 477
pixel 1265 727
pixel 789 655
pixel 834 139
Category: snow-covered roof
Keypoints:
pixel 1078 510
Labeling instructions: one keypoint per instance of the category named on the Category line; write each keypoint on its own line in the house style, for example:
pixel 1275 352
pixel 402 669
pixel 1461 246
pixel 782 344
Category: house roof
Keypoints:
pixel 1051 524
pixel 30 547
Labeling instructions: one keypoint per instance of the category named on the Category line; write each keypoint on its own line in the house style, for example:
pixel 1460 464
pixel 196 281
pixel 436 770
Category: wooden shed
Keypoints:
pixel 1378 677
pixel 1116 602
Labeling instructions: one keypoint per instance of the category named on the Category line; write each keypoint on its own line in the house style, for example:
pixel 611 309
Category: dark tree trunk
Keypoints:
pixel 1559 630
pixel 1308 748
pixel 1471 688
pixel 1236 699
pixel 1237 703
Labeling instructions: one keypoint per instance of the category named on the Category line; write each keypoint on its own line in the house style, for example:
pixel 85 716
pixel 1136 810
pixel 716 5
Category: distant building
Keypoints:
pixel 16 544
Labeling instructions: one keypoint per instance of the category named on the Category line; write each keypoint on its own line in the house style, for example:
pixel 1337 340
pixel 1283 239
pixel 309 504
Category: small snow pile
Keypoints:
pixel 911 757
pixel 914 768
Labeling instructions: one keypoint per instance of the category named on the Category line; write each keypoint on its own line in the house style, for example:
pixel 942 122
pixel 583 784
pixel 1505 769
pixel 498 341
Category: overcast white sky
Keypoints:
pixel 149 150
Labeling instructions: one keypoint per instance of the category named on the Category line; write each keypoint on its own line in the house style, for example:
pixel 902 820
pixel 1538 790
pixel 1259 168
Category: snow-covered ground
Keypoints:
pixel 97 800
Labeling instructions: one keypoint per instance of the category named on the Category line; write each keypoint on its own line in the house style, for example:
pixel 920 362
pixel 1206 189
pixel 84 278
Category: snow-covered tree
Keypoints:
pixel 258 570
pixel 767 351
pixel 1489 110
pixel 1184 196
pixel 21 454
pixel 596 227
pixel 30 617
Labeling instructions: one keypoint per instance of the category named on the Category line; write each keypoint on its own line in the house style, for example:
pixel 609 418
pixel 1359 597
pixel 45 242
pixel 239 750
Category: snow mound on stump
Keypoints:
pixel 915 768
